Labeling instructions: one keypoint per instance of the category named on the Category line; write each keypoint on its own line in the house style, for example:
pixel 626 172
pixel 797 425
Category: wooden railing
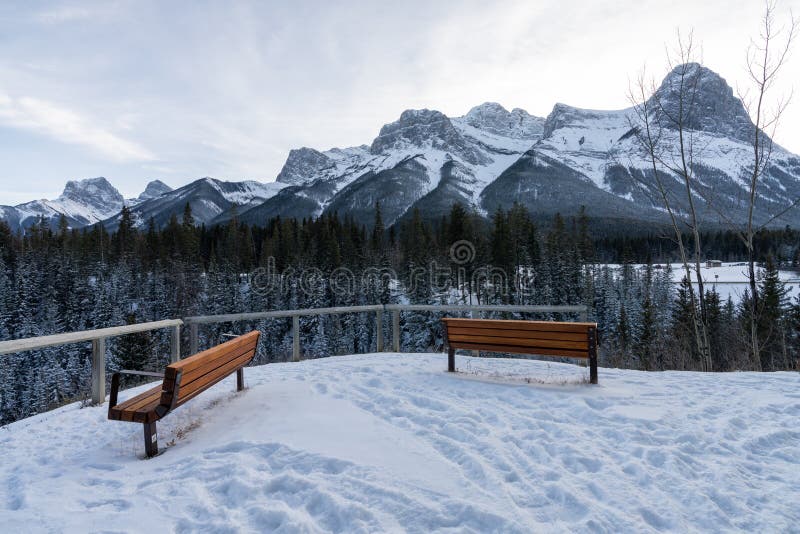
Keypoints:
pixel 98 337
pixel 378 310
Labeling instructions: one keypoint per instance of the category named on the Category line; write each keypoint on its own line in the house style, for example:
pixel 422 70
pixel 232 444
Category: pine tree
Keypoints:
pixel 645 348
pixel 771 325
pixel 682 324
pixel 132 351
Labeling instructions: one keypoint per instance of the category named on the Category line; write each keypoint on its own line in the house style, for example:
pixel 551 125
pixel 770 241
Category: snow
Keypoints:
pixel 730 280
pixel 492 140
pixel 248 191
pixel 390 442
pixel 587 140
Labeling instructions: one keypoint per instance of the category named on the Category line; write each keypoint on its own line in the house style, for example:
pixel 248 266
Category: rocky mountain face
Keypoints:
pixel 82 203
pixel 154 189
pixel 207 197
pixel 495 119
pixel 424 159
pixel 492 157
pixel 489 159
pixel 712 106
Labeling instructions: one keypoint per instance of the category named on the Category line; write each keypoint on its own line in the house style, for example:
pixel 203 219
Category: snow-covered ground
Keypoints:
pixel 731 279
pixel 390 442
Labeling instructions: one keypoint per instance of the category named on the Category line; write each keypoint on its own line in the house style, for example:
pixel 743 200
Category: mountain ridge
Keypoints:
pixel 491 157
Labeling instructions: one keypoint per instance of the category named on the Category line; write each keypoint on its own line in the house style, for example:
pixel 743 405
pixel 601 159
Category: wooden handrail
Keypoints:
pixel 98 338
pixel 41 342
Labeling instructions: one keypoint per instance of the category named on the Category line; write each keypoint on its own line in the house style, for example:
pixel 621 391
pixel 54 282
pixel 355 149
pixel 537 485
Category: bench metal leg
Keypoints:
pixel 592 356
pixel 150 439
pixel 451 360
pixel 240 380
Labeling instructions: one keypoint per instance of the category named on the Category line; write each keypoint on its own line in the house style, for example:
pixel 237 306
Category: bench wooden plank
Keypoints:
pixel 533 334
pixel 234 349
pixel 219 361
pixel 147 413
pixel 517 349
pixel 523 342
pixel 134 403
pixel 500 324
pixel 206 381
pixel 200 358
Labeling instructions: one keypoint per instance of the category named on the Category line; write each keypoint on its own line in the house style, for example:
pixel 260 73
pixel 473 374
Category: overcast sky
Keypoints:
pixel 179 90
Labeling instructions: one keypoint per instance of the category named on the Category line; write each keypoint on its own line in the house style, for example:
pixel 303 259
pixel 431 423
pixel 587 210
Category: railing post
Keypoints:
pixel 98 370
pixel 193 348
pixel 396 330
pixel 175 344
pixel 295 338
pixel 379 330
pixel 475 353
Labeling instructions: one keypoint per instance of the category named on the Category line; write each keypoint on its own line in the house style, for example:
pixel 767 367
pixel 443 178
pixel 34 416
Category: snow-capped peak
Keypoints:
pixel 154 189
pixel 301 165
pixel 494 118
pixel 92 199
pixel 95 191
pixel 709 102
pixel 425 129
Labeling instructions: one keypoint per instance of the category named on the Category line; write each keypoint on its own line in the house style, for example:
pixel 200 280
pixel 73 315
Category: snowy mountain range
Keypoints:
pixel 83 203
pixel 488 158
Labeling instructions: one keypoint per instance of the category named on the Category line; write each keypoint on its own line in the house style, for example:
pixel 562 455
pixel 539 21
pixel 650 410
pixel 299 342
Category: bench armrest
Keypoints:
pixel 140 373
pixel 112 399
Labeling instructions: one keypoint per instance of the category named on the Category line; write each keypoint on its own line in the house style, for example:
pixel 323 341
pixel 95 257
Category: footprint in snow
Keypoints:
pixel 596 404
pixel 16 494
pixel 104 467
pixel 116 505
pixel 94 482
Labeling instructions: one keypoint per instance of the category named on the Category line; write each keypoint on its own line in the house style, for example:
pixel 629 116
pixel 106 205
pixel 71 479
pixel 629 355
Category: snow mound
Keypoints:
pixel 390 442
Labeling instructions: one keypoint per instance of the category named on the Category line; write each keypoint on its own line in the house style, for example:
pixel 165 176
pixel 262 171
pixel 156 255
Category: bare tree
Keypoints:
pixel 766 57
pixel 664 131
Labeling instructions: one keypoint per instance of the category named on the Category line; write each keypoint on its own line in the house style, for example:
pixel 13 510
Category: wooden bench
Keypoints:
pixel 182 381
pixel 541 338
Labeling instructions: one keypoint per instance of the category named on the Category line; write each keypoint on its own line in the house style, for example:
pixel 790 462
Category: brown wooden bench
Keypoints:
pixel 541 338
pixel 182 381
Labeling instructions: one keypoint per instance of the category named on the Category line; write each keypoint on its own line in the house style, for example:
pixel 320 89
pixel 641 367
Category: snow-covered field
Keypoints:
pixel 390 442
pixel 731 279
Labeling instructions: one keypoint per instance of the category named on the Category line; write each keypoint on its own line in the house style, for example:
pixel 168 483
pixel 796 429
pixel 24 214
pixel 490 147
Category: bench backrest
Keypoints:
pixel 547 338
pixel 188 378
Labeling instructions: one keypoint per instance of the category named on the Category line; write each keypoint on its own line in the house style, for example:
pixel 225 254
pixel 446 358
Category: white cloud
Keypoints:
pixel 67 126
pixel 64 14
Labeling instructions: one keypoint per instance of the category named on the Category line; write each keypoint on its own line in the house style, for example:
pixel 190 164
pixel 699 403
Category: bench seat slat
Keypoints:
pixel 126 411
pixel 533 334
pixel 134 403
pixel 546 326
pixel 199 359
pixel 189 376
pixel 202 383
pixel 147 413
pixel 500 339
pixel 517 349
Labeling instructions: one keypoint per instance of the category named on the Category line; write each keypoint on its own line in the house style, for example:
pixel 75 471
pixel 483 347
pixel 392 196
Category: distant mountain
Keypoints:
pixel 154 189
pixel 486 159
pixel 208 198
pixel 492 157
pixel 82 203
pixel 424 159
